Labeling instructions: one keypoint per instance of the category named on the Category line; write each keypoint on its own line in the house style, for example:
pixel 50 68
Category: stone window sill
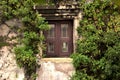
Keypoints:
pixel 57 60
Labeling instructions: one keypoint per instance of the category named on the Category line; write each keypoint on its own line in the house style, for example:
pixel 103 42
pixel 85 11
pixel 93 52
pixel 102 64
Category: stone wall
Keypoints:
pixel 55 69
pixel 8 67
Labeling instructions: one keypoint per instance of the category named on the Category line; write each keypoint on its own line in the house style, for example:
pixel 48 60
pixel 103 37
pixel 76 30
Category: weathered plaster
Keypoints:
pixel 55 69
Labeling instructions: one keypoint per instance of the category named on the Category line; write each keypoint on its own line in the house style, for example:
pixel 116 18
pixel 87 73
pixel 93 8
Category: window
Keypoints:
pixel 64 30
pixel 51 47
pixel 59 39
pixel 51 32
pixel 64 47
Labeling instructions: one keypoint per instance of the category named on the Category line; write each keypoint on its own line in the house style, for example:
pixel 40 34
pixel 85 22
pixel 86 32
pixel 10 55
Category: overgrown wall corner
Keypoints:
pixel 8 66
pixel 9 69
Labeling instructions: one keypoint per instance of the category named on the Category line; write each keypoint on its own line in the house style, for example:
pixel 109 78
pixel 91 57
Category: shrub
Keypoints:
pixel 98 49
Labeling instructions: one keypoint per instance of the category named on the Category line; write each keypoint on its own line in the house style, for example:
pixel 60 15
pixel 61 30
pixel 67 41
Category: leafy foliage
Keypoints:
pixel 98 49
pixel 30 38
pixel 43 2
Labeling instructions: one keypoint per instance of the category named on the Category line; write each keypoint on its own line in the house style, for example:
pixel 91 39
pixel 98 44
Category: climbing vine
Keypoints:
pixel 30 35
pixel 98 48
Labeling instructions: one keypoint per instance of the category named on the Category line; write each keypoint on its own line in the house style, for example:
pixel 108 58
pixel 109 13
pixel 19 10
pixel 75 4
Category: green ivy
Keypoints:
pixel 44 2
pixel 30 37
pixel 98 49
